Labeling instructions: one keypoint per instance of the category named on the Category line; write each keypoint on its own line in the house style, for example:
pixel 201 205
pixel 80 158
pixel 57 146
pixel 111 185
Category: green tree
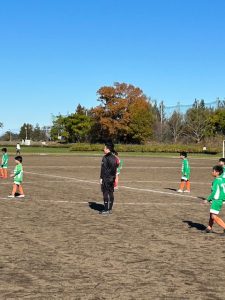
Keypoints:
pixel 38 134
pixel 176 125
pixel 26 131
pixel 217 120
pixel 141 122
pixel 58 129
pixel 197 121
pixel 75 127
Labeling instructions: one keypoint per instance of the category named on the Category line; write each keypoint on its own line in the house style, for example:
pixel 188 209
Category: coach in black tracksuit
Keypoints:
pixel 107 177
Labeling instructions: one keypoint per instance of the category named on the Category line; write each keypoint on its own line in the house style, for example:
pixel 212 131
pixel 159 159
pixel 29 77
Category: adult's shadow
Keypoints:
pixel 198 226
pixel 96 206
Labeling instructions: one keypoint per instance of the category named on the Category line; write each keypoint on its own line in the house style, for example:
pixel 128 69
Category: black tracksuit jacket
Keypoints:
pixel 108 171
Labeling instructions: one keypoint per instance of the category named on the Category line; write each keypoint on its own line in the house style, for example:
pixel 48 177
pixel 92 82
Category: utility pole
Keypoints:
pixel 161 118
pixel 26 132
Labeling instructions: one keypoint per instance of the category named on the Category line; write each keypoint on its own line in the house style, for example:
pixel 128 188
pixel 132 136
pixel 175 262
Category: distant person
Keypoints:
pixel 4 164
pixel 18 148
pixel 107 177
pixel 216 198
pixel 120 165
pixel 17 178
pixel 185 185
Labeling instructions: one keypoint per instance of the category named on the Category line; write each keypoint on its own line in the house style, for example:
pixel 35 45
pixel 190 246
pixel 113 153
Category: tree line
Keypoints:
pixel 126 115
pixel 28 131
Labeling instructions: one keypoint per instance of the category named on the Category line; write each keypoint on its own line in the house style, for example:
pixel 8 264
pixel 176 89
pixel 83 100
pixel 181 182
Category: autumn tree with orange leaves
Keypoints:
pixel 125 115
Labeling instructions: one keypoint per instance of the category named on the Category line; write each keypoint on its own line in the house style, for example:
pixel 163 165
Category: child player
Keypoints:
pixel 216 198
pixel 4 165
pixel 222 164
pixel 185 177
pixel 18 178
pixel 120 165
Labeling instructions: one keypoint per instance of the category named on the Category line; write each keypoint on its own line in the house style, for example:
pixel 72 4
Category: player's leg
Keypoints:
pixel 218 221
pixel 210 225
pixel 106 199
pixel 14 189
pixel 5 173
pixel 188 186
pixel 215 209
pixel 21 193
pixel 182 185
pixel 1 172
pixel 111 196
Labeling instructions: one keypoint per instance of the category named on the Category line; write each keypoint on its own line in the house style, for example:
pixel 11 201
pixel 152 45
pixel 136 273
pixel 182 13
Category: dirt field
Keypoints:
pixel 55 245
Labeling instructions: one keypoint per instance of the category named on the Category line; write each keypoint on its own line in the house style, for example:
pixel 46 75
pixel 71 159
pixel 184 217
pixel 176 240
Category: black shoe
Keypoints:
pixel 208 230
pixel 104 212
pixel 223 233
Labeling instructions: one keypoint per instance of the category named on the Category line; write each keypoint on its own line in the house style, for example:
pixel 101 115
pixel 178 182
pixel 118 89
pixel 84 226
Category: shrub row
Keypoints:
pixel 167 148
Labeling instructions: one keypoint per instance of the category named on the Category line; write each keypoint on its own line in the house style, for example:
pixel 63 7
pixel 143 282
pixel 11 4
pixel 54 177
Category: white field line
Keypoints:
pixel 125 181
pixel 62 177
pixel 32 182
pixel 122 186
pixel 127 167
pixel 166 181
pixel 87 202
pixel 117 203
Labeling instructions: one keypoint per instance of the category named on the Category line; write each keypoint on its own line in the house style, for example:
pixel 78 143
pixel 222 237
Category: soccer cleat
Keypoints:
pixel 187 191
pixel 104 212
pixel 208 230
pixel 20 196
pixel 179 191
pixel 11 196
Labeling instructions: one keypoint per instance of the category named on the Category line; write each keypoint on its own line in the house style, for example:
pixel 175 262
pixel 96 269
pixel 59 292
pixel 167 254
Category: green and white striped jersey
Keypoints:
pixel 5 160
pixel 218 189
pixel 18 173
pixel 186 170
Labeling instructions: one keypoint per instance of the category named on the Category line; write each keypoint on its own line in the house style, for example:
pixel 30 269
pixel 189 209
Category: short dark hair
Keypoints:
pixel 222 159
pixel 218 169
pixel 19 158
pixel 110 146
pixel 183 153
pixel 4 149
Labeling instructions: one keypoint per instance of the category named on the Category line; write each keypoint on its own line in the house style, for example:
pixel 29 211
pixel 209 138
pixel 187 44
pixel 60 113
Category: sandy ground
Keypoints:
pixel 55 245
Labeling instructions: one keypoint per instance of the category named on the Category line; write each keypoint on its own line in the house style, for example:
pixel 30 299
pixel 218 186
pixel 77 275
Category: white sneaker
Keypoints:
pixel 11 196
pixel 20 196
pixel 187 191
pixel 179 191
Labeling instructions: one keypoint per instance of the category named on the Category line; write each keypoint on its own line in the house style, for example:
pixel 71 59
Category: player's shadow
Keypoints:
pixel 170 189
pixel 198 226
pixel 96 206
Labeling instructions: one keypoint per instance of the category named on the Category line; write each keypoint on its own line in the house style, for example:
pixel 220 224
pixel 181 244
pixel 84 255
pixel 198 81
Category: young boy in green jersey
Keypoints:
pixel 18 178
pixel 216 198
pixel 222 164
pixel 4 165
pixel 185 177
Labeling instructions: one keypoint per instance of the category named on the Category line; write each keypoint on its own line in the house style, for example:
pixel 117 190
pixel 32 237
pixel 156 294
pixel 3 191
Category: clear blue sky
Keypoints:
pixel 55 54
